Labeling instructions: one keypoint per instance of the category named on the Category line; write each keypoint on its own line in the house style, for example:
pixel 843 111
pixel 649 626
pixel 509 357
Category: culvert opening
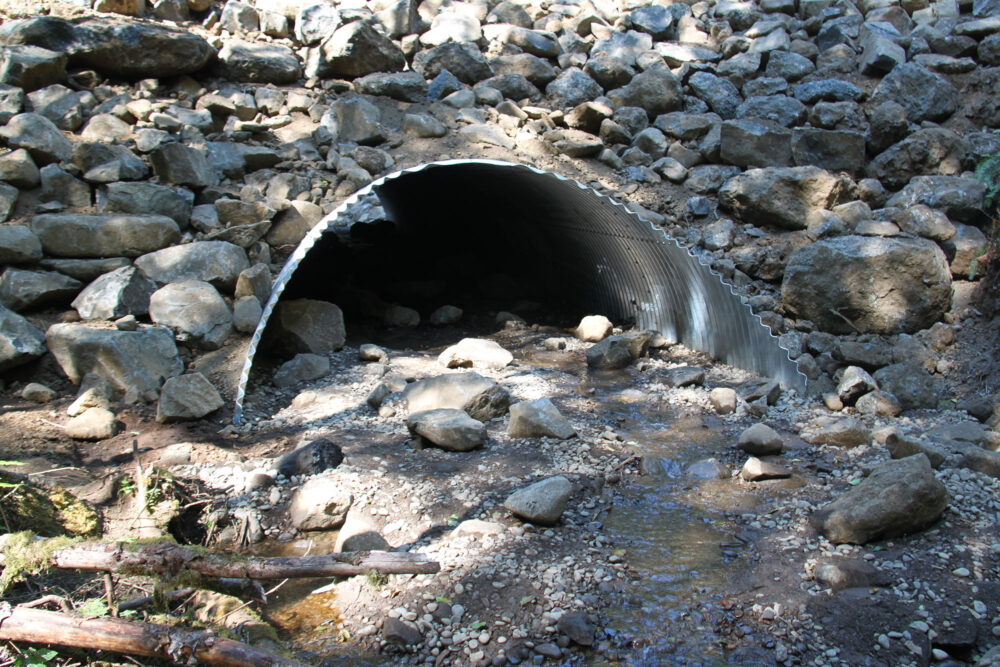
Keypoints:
pixel 486 235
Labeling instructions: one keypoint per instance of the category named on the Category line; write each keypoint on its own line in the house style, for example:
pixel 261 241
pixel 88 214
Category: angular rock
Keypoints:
pixel 247 312
pixel 136 361
pixel 880 285
pixel 60 105
pixel 475 353
pixel 31 67
pixel 320 504
pixel 835 150
pixel 315 22
pixel 755 143
pixel 195 311
pixel 542 502
pixel 215 262
pixel 59 186
pixel 921 220
pixel 355 49
pixel 961 198
pixel 924 94
pixel 481 398
pixel 755 470
pixel 183 165
pixel 400 632
pixel 781 109
pixel 103 163
pixel 965 248
pixel 447 428
pixel 780 196
pixel 306 325
pixel 118 293
pixel 301 368
pixel 356 121
pixel 538 418
pixel 656 91
pixel 78 235
pixel 927 151
pixel 20 341
pixel 899 497
pixel 18 169
pixel 464 60
pixel 310 458
pixel 912 386
pixel 187 397
pixel 720 94
pixel 684 376
pixel 830 90
pixel 92 424
pixel 22 290
pixel 618 351
pixel 855 382
pixel 879 403
pixel 573 86
pixel 403 86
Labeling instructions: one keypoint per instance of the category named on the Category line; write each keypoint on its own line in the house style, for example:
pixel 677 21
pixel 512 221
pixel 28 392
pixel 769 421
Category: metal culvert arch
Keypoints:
pixel 586 247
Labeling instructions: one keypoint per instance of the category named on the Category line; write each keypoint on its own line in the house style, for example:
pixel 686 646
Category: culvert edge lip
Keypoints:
pixel 798 379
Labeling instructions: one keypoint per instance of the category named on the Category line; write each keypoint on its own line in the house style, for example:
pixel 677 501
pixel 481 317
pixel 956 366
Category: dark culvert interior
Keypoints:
pixel 488 236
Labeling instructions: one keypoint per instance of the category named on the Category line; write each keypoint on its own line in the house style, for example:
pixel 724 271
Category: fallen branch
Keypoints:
pixel 177 644
pixel 166 559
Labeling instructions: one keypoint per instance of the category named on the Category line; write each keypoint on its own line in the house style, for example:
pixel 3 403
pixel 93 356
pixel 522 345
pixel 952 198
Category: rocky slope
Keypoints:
pixel 162 161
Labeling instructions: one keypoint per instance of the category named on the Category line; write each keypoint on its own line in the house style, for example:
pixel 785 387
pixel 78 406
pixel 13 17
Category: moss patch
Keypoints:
pixel 47 511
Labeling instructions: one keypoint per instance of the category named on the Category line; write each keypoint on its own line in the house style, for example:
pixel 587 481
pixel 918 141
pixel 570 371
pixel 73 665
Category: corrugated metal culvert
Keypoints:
pixel 580 249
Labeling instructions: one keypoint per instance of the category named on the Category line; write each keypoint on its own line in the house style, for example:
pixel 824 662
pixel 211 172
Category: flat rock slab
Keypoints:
pixel 481 398
pixel 899 497
pixel 80 235
pixel 448 428
pixel 543 502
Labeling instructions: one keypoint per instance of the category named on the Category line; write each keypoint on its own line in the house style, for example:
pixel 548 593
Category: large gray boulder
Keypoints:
pixel 149 198
pixel 911 384
pixel 118 293
pixel 868 284
pixel 20 341
pixel 930 151
pixel 22 290
pixel 924 94
pixel 129 361
pixel 215 262
pixel 355 49
pixel 306 325
pixel 19 245
pixel 39 136
pixel 195 311
pixel 448 428
pixel 187 397
pixel 538 418
pixel 542 502
pixel 481 398
pixel 82 235
pixel 655 91
pixel 127 49
pixel 899 497
pixel 256 62
pixel 183 165
pixel 780 196
pixel 960 197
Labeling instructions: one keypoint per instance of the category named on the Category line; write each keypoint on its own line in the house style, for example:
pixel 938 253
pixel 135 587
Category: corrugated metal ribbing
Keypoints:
pixel 587 248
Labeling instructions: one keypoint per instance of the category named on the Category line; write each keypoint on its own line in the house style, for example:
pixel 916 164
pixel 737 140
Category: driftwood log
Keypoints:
pixel 172 560
pixel 177 644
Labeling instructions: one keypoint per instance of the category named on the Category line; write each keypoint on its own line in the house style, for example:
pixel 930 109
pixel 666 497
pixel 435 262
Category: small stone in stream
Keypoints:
pixel 577 627
pixel 400 632
pixel 477 353
pixel 445 315
pixel 855 382
pixel 899 497
pixel 542 502
pixel 843 432
pixel 723 400
pixel 538 418
pixel 370 352
pixel 707 469
pixel 879 404
pixel 556 344
pixel 594 328
pixel 310 458
pixel 548 650
pixel 187 397
pixel 320 504
pixel 37 393
pixel 755 470
pixel 839 573
pixel 358 534
pixel 302 368
pixel 618 351
pixel 448 429
pixel 685 376
pixel 760 440
pixel 92 424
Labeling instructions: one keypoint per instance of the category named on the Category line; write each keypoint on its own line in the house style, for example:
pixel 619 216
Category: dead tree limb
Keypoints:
pixel 167 559
pixel 179 645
